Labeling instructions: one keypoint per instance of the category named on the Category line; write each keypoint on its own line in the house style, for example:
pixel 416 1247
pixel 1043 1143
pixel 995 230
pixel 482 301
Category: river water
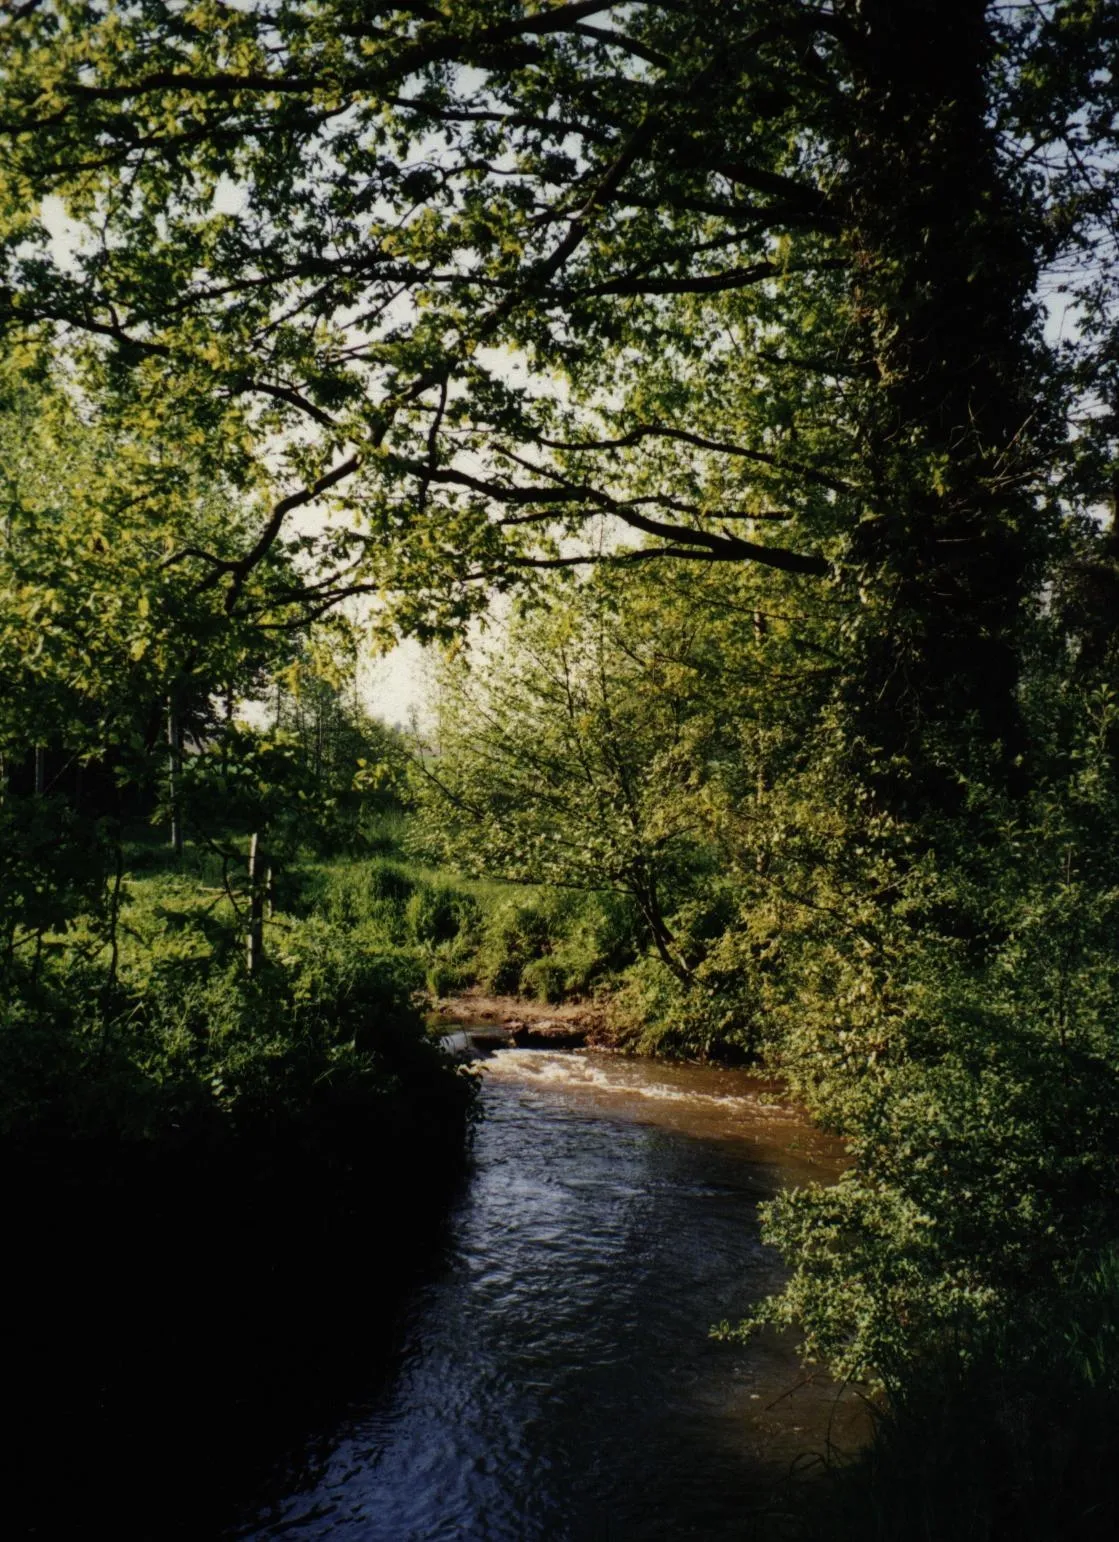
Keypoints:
pixel 555 1378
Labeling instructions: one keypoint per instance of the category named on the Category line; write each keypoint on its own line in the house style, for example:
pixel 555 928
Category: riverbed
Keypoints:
pixel 555 1377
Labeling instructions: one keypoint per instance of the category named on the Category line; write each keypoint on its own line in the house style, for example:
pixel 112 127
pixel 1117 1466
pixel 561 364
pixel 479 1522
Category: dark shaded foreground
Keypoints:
pixel 178 1317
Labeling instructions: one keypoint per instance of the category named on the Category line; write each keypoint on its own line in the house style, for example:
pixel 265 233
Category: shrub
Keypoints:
pixel 515 932
pixel 433 914
pixel 555 943
pixel 1004 1433
pixel 367 895
pixel 546 979
pixel 444 978
pixel 185 1044
pixel 388 881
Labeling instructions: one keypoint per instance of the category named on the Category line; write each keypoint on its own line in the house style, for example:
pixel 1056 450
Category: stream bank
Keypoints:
pixel 490 1019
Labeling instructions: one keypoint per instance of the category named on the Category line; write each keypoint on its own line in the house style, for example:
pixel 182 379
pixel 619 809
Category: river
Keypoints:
pixel 554 1375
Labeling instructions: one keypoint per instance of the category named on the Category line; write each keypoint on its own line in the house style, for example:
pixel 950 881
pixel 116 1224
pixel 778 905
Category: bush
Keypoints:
pixel 372 896
pixel 444 978
pixel 555 943
pixel 388 881
pixel 515 932
pixel 648 1002
pixel 546 979
pixel 187 1125
pixel 433 914
pixel 185 1044
pixel 1008 1433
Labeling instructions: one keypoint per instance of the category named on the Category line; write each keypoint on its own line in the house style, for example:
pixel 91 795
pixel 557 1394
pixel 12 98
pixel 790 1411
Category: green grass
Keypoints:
pixel 551 945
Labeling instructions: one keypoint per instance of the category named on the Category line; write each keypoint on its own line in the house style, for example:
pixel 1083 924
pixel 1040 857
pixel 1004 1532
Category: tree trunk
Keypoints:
pixel 258 883
pixel 945 271
pixel 174 776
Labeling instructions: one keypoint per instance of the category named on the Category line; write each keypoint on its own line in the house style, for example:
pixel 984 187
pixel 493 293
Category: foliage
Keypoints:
pixel 942 992
pixel 583 750
pixel 952 1013
pixel 130 1020
pixel 244 778
pixel 742 307
pixel 549 943
pixel 93 518
pixel 553 944
pixel 220 1145
pixel 1013 1438
pixel 185 1047
pixel 354 767
pixel 638 733
pixel 486 277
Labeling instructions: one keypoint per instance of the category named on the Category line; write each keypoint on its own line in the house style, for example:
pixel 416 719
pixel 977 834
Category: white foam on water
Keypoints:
pixel 572 1069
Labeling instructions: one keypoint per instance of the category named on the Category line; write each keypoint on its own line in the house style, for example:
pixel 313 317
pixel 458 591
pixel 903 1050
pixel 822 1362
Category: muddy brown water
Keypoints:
pixel 556 1378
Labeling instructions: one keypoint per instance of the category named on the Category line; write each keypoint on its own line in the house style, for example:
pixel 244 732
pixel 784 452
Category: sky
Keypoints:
pixel 393 687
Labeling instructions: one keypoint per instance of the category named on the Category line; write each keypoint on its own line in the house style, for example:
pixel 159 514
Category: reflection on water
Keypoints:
pixel 556 1379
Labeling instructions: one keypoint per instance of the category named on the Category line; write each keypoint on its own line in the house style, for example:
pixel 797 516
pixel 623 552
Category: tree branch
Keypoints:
pixel 718 447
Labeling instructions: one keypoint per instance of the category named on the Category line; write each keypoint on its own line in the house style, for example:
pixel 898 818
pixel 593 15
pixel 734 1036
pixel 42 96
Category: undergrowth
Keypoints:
pixel 1007 1436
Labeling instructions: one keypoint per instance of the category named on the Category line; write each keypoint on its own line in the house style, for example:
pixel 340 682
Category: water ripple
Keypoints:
pixel 556 1379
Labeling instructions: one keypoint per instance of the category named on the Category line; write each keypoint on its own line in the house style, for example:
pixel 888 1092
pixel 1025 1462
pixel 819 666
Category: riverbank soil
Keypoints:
pixel 478 1007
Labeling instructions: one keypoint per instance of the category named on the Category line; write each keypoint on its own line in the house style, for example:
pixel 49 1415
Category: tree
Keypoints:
pixel 355 764
pixel 526 288
pixel 102 642
pixel 785 264
pixel 557 751
pixel 93 518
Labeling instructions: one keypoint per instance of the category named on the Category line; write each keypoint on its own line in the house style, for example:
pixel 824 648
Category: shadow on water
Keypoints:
pixel 553 1377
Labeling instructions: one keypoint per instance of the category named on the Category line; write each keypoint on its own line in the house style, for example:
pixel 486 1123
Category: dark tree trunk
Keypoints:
pixel 945 273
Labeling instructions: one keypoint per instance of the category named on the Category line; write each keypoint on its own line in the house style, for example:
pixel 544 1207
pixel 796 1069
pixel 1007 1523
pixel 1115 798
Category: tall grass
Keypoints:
pixel 551 945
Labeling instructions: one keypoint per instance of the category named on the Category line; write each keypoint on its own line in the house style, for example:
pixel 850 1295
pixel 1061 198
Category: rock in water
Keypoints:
pixel 548 1035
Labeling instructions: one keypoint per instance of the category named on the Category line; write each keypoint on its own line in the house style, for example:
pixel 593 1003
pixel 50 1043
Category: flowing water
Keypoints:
pixel 555 1378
